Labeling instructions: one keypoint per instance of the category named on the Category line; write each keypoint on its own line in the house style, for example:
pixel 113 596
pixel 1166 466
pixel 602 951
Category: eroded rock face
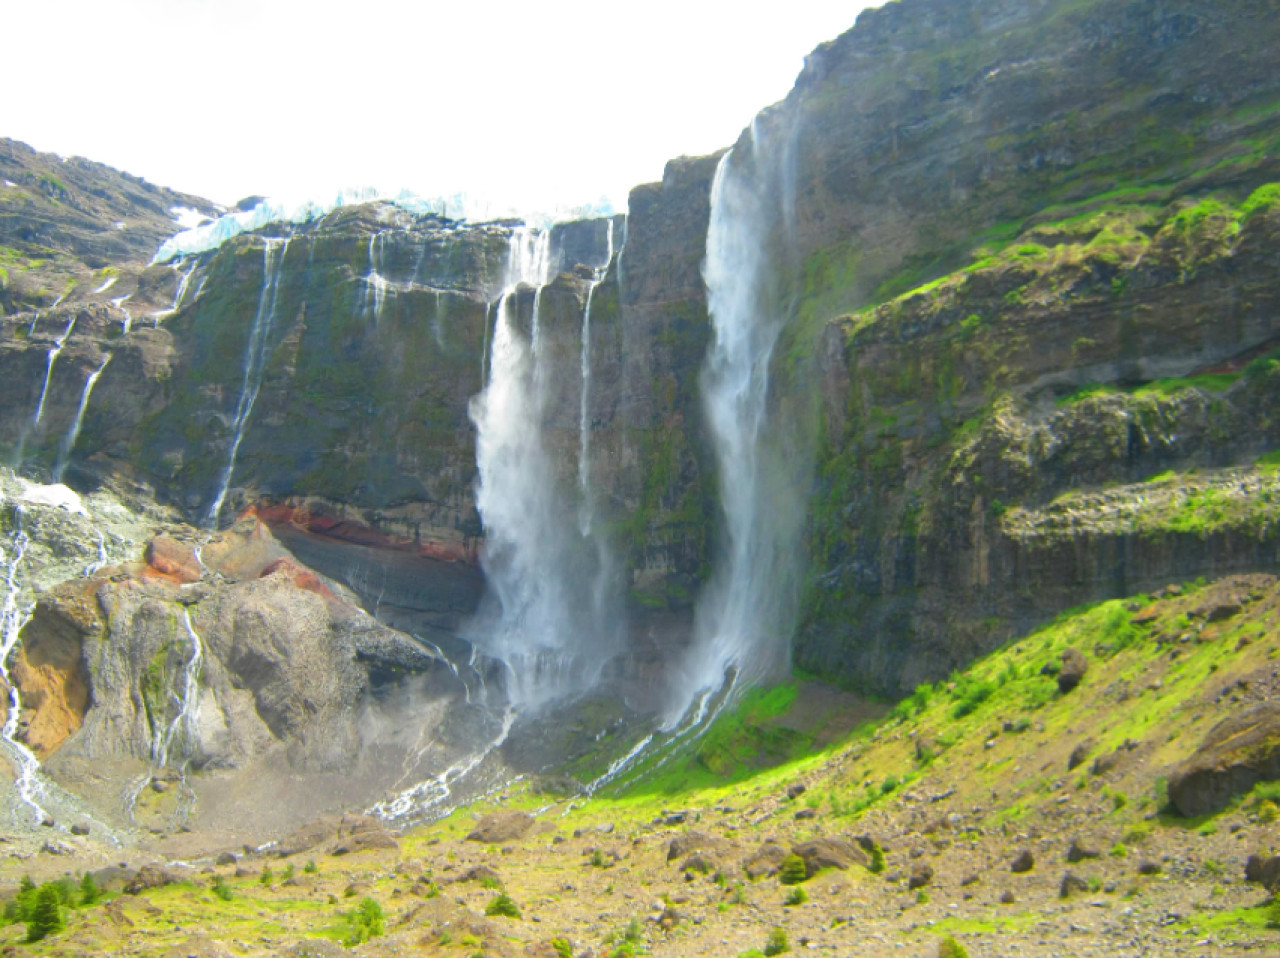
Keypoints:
pixel 1238 752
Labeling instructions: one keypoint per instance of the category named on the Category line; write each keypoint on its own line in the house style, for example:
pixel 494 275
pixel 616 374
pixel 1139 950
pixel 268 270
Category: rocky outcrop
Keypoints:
pixel 1238 752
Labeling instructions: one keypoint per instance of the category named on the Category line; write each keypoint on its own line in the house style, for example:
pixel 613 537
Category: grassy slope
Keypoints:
pixel 990 777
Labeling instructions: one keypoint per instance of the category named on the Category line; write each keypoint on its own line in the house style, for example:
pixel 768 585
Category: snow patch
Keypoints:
pixel 10 183
pixel 36 494
pixel 186 217
pixel 120 225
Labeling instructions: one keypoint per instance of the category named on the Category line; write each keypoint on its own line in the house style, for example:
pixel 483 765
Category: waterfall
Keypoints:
pixel 185 723
pixel 69 441
pixel 549 620
pixel 179 296
pixel 52 358
pixel 126 324
pixel 255 360
pixel 746 612
pixel 13 617
pixel 375 283
pixel 586 509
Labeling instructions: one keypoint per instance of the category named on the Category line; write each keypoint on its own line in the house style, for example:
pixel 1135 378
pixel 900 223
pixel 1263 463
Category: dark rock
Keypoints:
pixel 1105 763
pixel 225 858
pixel 921 875
pixel 1240 751
pixel 822 853
pixel 80 828
pixel 1079 754
pixel 1023 862
pixel 1078 852
pixel 502 826
pixel 764 860
pixel 806 813
pixel 1007 897
pixel 969 880
pixel 1263 871
pixel 1071 883
pixel 1149 867
pixel 698 863
pixel 151 876
pixel 795 790
pixel 1074 667
pixel 684 845
pixel 481 873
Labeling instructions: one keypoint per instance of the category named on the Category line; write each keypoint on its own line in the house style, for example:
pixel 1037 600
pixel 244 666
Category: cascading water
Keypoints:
pixel 552 625
pixel 69 441
pixel 54 352
pixel 375 294
pixel 178 296
pixel 255 360
pixel 13 617
pixel 126 324
pixel 586 510
pixel 746 613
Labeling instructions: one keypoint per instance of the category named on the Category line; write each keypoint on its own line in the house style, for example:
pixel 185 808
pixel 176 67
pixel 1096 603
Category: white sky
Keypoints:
pixel 535 104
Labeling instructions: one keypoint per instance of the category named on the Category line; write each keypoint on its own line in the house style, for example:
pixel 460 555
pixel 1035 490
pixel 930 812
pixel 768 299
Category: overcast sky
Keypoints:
pixel 535 104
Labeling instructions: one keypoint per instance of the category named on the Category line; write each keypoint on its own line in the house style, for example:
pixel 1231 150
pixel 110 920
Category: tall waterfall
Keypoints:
pixel 746 612
pixel 69 441
pixel 54 351
pixel 255 359
pixel 549 618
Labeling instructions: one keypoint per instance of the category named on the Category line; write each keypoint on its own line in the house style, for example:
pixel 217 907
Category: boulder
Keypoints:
pixel 1149 867
pixel 684 845
pixel 921 875
pixel 1023 862
pixel 764 860
pixel 173 559
pixel 1071 884
pixel 1263 871
pixel 1078 851
pixel 822 853
pixel 1074 666
pixel 503 826
pixel 1238 752
pixel 1079 754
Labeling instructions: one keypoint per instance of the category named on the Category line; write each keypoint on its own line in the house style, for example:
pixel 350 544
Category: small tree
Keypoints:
pixel 89 891
pixel 777 943
pixel 503 905
pixel 46 917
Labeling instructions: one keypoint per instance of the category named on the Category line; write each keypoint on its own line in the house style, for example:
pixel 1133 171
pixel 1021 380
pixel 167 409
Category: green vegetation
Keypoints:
pixel 792 871
pixel 777 943
pixel 364 923
pixel 503 906
pixel 46 915
pixel 950 948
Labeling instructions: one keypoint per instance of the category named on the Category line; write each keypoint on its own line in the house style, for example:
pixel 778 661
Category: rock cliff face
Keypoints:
pixel 1028 262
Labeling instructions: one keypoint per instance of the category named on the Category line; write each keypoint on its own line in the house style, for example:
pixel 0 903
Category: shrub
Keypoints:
pixel 777 943
pixel 1268 812
pixel 221 889
pixel 562 948
pixel 266 878
pixel 46 916
pixel 89 891
pixel 792 871
pixel 289 871
pixel 876 865
pixel 310 867
pixel 366 921
pixel 503 906
pixel 950 948
pixel 798 896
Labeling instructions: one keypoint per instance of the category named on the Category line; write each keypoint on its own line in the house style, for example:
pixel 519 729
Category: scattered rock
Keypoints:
pixel 805 814
pixel 921 875
pixel 684 845
pixel 1149 867
pixel 1078 852
pixel 1079 754
pixel 198 946
pixel 1071 883
pixel 795 790
pixel 829 853
pixel 1074 667
pixel 764 860
pixel 1007 897
pixel 316 948
pixel 1240 751
pixel 549 948
pixel 173 559
pixel 503 826
pixel 80 828
pixel 481 873
pixel 52 846
pixel 1024 862
pixel 151 876
pixel 226 858
pixel 1264 871
pixel 970 880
